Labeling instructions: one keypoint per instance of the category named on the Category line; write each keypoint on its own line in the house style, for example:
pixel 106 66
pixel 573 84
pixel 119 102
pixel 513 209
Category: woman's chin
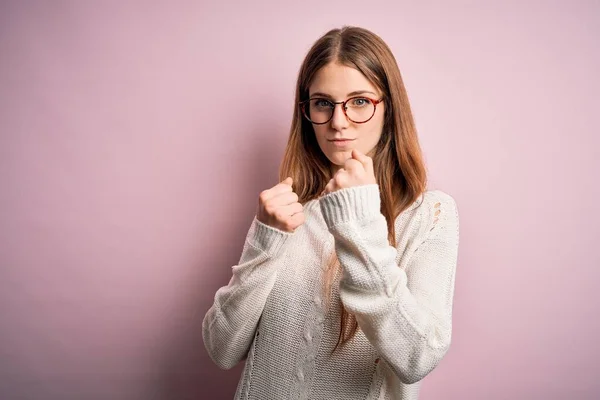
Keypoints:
pixel 340 157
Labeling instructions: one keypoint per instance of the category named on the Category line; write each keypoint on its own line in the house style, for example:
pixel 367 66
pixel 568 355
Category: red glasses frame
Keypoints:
pixel 344 108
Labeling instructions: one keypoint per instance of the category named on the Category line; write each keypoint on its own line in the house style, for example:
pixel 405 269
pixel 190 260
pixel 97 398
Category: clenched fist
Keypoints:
pixel 357 171
pixel 278 207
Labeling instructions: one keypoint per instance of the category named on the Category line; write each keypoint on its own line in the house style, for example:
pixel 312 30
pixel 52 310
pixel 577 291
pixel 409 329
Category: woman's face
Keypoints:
pixel 337 82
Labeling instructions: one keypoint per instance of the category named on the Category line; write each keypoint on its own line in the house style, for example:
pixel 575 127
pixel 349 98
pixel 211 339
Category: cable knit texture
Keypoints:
pixel 272 313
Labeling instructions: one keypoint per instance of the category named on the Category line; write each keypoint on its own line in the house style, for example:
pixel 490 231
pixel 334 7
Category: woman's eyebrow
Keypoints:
pixel 355 93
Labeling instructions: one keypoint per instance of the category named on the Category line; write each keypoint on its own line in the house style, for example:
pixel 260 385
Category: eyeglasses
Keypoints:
pixel 357 109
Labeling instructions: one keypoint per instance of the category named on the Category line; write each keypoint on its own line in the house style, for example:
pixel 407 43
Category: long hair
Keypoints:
pixel 397 160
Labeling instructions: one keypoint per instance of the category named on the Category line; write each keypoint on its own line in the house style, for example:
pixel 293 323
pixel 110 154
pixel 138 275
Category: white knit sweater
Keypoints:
pixel 272 313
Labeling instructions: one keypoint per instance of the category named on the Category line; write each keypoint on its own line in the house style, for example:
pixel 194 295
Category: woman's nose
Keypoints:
pixel 339 120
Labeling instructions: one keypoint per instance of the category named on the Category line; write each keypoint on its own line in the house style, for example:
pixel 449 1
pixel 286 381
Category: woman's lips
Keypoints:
pixel 341 143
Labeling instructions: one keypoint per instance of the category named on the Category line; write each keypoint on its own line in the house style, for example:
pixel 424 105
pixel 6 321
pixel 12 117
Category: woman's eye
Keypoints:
pixel 323 103
pixel 360 102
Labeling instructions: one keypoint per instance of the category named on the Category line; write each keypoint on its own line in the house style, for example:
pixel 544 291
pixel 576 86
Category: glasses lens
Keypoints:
pixel 359 109
pixel 319 110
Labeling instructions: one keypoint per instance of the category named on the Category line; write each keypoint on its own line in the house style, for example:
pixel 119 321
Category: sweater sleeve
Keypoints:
pixel 229 325
pixel 406 314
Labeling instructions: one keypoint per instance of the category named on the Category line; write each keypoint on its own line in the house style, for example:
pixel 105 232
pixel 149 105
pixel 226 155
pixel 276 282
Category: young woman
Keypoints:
pixel 345 285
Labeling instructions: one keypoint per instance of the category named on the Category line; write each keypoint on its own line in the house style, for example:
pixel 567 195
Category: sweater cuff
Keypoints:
pixel 268 239
pixel 353 203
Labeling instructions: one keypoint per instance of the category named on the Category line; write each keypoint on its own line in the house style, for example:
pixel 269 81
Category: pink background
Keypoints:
pixel 135 138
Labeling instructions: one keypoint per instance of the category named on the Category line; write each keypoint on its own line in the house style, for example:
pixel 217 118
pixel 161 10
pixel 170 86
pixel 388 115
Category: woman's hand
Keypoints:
pixel 357 171
pixel 278 207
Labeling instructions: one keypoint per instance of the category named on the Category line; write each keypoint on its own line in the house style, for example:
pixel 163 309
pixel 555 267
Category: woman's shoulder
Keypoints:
pixel 439 210
pixel 436 196
pixel 433 208
pixel 430 198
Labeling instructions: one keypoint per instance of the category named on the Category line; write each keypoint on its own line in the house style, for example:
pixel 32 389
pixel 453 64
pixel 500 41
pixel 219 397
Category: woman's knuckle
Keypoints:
pixel 263 196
